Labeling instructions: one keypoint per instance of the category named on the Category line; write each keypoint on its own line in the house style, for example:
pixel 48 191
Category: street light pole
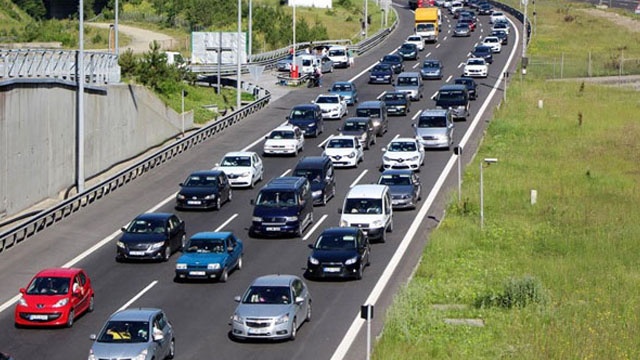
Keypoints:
pixel 250 29
pixel 524 38
pixel 80 102
pixel 116 30
pixel 239 52
pixel 487 161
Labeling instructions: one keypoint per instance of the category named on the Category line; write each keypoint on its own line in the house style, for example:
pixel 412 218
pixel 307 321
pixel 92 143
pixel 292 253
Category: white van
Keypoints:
pixel 306 63
pixel 339 55
pixel 368 207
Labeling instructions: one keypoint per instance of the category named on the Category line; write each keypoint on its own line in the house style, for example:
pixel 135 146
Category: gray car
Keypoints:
pixel 431 69
pixel 434 129
pixel 405 187
pixel 141 333
pixel 273 307
pixel 360 127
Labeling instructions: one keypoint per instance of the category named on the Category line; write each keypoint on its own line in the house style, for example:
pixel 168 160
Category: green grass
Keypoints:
pixel 579 240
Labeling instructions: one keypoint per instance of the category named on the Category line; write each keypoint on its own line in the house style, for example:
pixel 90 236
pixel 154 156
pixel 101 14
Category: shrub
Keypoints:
pixel 517 292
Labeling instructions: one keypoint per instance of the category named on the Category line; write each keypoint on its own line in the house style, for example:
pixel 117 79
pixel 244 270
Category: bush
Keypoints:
pixel 517 292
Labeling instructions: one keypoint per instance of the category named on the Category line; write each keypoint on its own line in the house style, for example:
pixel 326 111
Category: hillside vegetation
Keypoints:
pixel 557 279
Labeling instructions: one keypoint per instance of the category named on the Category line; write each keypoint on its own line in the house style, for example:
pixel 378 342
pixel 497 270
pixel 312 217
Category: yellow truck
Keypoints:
pixel 427 23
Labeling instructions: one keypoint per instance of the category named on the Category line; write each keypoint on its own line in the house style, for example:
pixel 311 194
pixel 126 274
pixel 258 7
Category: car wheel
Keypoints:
pixel 324 199
pixel 224 276
pixel 172 349
pixel 70 318
pixel 218 203
pixel 308 318
pixel 167 253
pixel 390 227
pixel 316 133
pixel 359 273
pixel 230 196
pixel 294 330
pixel 91 304
pixel 183 241
pixel 383 237
pixel 239 264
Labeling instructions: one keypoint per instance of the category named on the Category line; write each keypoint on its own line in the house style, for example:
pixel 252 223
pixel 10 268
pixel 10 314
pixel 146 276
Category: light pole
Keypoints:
pixel 239 52
pixel 487 161
pixel 524 39
pixel 250 30
pixel 458 152
pixel 80 102
pixel 116 30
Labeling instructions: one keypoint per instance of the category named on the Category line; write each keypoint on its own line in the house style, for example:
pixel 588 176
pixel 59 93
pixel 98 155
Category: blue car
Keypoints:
pixel 308 117
pixel 347 90
pixel 210 256
pixel 381 74
pixel 404 186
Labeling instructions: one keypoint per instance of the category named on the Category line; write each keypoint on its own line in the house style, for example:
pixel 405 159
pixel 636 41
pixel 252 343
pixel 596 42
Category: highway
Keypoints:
pixel 200 311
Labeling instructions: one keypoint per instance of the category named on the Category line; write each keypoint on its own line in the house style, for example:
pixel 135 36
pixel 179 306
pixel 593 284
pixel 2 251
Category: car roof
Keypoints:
pixel 409 74
pixel 285 183
pixel 434 112
pixel 453 87
pixel 367 191
pixel 274 280
pixel 202 173
pixel 156 215
pixel 368 103
pixel 343 83
pixel 135 314
pixel 312 161
pixel 239 153
pixel 358 119
pixel 305 106
pixel 397 172
pixel 58 272
pixel 211 235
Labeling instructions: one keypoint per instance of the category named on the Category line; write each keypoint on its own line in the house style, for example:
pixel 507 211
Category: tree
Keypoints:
pixel 35 8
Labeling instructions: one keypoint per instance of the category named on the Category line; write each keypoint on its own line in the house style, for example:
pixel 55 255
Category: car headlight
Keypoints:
pixel 386 158
pixel 237 318
pixel 61 303
pixel 245 174
pixel 344 223
pixel 351 261
pixel 214 266
pixel 414 158
pixel 120 244
pixel 351 155
pixel 312 125
pixel 316 193
pixel 22 302
pixel 210 197
pixel 290 218
pixel 387 76
pixel 157 245
pixel 282 319
pixel 256 219
pixel 180 197
pixel 142 355
pixel 313 260
pixel 376 223
pixel 92 356
pixel 181 266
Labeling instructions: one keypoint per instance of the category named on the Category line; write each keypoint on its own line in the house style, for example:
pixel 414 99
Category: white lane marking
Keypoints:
pixel 381 94
pixel 449 78
pixel 428 54
pixel 415 116
pixel 395 137
pixel 434 95
pixel 285 173
pixel 10 302
pixel 416 65
pixel 248 147
pixel 355 182
pixel 437 46
pixel 138 295
pixel 322 219
pixel 460 65
pixel 321 145
pixel 358 322
pixel 226 222
pixel 445 38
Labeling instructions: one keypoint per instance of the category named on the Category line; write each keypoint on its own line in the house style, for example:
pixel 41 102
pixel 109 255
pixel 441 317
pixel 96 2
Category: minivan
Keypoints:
pixel 308 117
pixel 455 98
pixel 377 111
pixel 368 207
pixel 320 173
pixel 284 206
pixel 410 83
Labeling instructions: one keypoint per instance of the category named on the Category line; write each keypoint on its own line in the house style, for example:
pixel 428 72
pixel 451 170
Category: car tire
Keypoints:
pixel 172 349
pixel 167 253
pixel 218 204
pixel 183 241
pixel 308 318
pixel 239 264
pixel 383 237
pixel 359 273
pixel 91 304
pixel 224 276
pixel 294 330
pixel 324 199
pixel 390 227
pixel 70 319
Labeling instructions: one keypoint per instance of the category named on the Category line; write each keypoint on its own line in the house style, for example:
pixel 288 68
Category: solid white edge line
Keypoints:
pixel 226 222
pixel 355 182
pixel 320 221
pixel 357 323
pixel 138 295
pixel 285 173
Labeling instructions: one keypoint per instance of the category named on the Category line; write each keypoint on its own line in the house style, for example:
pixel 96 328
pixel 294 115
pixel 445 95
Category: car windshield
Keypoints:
pixel 205 246
pixel 267 295
pixel 49 286
pixel 354 126
pixel 475 62
pixel 430 64
pixel 394 96
pixel 408 47
pixel 125 332
pixel 425 27
pixel 382 67
pixel 432 122
pixel 451 95
pixel 414 39
pixel 482 50
pixel 391 59
pixel 327 100
pixel 364 112
pixel 276 198
pixel 341 87
pixel 408 81
pixel 146 226
pixel 201 181
pixel 363 206
pixel 242 161
pixel 395 179
pixel 335 242
pixel 462 26
pixel 297 114
pixel 402 146
pixel 340 143
pixel 491 40
pixel 337 52
pixel 311 174
pixel 282 134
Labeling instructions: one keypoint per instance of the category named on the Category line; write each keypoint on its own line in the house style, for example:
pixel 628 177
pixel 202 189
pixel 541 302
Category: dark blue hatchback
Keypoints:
pixel 308 117
pixel 339 252
pixel 204 190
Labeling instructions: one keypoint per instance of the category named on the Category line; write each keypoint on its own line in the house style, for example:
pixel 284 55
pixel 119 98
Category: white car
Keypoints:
pixel 344 151
pixel 476 67
pixel 500 25
pixel 403 153
pixel 494 43
pixel 285 139
pixel 243 168
pixel 455 5
pixel 417 40
pixel 497 16
pixel 333 106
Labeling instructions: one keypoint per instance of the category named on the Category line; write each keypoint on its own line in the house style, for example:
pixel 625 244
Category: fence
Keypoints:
pixel 571 65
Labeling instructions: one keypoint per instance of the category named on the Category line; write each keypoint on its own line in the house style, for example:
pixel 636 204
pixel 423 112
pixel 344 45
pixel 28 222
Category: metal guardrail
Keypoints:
pixel 69 206
pixel 100 68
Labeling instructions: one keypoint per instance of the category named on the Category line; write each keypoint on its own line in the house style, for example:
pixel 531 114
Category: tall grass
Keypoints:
pixel 577 244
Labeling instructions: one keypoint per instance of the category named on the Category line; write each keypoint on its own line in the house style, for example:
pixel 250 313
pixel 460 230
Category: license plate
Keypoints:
pixel 273 228
pixel 38 317
pixel 197 273
pixel 257 331
pixel 194 202
pixel 332 269
pixel 136 253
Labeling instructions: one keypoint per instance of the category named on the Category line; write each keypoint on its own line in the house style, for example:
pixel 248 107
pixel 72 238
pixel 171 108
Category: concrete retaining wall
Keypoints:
pixel 38 136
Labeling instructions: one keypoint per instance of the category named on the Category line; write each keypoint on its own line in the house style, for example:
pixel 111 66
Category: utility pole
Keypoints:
pixel 80 103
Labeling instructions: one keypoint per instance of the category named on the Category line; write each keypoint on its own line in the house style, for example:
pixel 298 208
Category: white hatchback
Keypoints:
pixel 417 40
pixel 403 153
pixel 243 168
pixel 286 139
pixel 494 43
pixel 344 151
pixel 333 106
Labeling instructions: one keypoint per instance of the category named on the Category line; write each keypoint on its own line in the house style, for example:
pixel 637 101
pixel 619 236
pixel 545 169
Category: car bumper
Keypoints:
pixel 198 274
pixel 379 80
pixel 244 181
pixel 434 143
pixel 41 318
pixel 129 254
pixel 341 64
pixel 260 329
pixel 335 271
pixel 309 131
pixel 331 114
pixel 431 76
pixel 475 73
pixel 402 203
pixel 344 161
pixel 412 165
pixel 397 110
pixel 274 230
pixel 195 204
pixel 280 151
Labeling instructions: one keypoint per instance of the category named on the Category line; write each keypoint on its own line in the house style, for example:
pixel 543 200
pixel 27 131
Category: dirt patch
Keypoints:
pixel 623 21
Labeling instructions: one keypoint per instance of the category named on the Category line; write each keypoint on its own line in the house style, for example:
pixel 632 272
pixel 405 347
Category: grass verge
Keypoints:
pixel 554 280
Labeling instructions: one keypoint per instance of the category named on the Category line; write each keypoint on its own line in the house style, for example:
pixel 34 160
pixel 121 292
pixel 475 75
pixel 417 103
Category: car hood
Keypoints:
pixel 401 88
pixel 301 122
pixel 325 106
pixel 400 189
pixel 198 191
pixel 202 258
pixel 46 300
pixel 380 73
pixel 234 170
pixel 395 102
pixel 338 151
pixel 424 131
pixel 430 70
pixel 401 155
pixel 356 133
pixel 272 142
pixel 263 310
pixel 275 211
pixel 117 350
pixel 337 255
pixel 142 238
pixel 361 218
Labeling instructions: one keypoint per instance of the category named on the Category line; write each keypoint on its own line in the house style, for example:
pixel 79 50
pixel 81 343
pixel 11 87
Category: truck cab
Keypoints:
pixel 427 23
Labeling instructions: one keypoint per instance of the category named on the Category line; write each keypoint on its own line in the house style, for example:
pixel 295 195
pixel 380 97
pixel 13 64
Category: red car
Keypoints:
pixel 55 297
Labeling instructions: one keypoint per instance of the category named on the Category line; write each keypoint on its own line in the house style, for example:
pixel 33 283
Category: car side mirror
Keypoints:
pixel 181 184
pixel 23 291
pixel 123 229
pixel 93 337
pixel 216 164
pixel 339 210
pixel 158 335
pixel 286 117
pixel 299 300
pixel 310 246
pixel 236 298
pixel 230 248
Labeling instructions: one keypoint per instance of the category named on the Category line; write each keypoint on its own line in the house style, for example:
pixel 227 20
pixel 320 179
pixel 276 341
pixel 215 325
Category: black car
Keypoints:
pixel 408 51
pixel 485 9
pixel 404 186
pixel 470 83
pixel 151 236
pixel 320 173
pixel 204 189
pixel 381 73
pixel 339 252
pixel 396 62
pixel 483 52
pixel 308 117
pixel 502 35
pixel 397 103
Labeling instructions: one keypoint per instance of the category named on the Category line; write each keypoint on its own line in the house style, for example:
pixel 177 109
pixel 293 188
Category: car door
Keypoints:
pixel 162 346
pixel 297 289
pixel 257 167
pixel 224 188
pixel 330 178
pixel 236 251
pixel 299 138
pixel 417 187
pixel 79 298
